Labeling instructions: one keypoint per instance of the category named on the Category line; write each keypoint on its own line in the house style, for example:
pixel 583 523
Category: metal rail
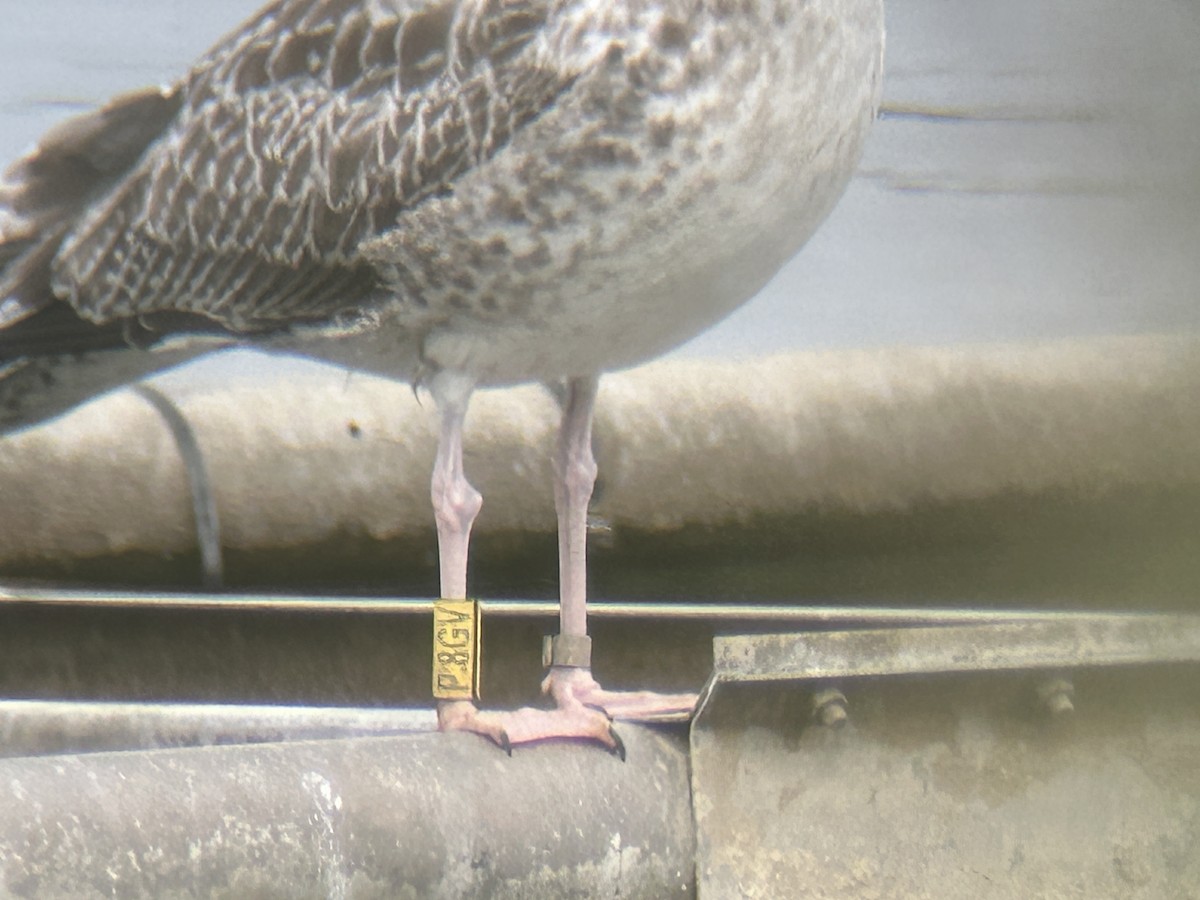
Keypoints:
pixel 797 614
pixel 41 727
pixel 997 647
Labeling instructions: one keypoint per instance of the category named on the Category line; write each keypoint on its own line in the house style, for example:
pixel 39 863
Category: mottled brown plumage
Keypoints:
pixel 306 133
pixel 236 201
pixel 460 183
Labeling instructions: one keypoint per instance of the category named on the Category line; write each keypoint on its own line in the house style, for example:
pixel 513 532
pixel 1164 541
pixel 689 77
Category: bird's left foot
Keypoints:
pixel 583 711
pixel 571 686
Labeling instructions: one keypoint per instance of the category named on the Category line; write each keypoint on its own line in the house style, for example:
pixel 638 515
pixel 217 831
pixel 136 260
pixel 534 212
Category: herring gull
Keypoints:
pixel 458 193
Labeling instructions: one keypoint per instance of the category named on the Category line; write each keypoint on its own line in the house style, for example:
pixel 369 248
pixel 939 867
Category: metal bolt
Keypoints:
pixel 1056 696
pixel 829 707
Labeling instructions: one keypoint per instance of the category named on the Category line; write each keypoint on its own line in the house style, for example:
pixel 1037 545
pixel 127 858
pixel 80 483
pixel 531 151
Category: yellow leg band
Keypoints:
pixel 456 635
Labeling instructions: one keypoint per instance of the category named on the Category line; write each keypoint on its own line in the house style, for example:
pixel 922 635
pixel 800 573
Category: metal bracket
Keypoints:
pixel 955 769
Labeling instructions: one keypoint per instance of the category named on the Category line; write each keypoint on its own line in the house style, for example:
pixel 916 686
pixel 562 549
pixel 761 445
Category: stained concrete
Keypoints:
pixel 344 460
pixel 953 786
pixel 420 816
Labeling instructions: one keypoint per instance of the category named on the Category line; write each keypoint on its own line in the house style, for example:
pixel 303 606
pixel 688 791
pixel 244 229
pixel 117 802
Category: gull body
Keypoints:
pixel 459 193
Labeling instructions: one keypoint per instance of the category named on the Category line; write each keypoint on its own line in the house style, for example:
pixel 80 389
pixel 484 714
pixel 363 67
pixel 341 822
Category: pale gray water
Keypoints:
pixel 1036 175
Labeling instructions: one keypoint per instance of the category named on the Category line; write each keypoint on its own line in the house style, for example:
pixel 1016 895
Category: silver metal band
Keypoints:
pixel 567 650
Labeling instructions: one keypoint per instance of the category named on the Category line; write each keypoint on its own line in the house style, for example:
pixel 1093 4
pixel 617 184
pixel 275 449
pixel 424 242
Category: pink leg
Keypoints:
pixel 455 505
pixel 455 502
pixel 574 478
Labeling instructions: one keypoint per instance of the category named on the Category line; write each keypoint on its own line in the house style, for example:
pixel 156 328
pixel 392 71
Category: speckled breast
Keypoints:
pixel 699 148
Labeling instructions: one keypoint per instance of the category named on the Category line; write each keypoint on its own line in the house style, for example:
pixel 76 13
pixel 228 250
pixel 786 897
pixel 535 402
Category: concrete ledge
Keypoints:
pixel 415 816
pixel 681 444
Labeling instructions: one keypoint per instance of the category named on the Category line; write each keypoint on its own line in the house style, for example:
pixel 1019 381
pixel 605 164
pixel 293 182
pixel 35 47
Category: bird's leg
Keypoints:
pixel 455 502
pixel 570 680
pixel 455 505
pixel 574 479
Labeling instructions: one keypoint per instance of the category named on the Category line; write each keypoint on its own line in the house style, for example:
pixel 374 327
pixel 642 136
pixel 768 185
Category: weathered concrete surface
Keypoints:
pixel 953 786
pixel 680 444
pixel 418 816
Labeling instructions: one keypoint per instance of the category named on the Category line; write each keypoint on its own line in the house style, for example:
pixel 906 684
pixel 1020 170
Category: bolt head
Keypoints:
pixel 833 715
pixel 1057 696
pixel 829 707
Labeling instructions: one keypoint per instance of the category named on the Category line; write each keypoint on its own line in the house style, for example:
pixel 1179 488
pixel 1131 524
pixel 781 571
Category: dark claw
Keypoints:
pixel 618 744
pixel 594 707
pixel 505 743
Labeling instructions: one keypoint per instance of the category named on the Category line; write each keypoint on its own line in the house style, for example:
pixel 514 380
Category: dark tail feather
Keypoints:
pixel 57 329
pixel 50 357
pixel 25 281
pixel 85 154
pixel 45 192
pixel 52 360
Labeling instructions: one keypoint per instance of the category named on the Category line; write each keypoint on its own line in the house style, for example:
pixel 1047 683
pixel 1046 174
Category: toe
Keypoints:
pixel 641 706
pixel 527 726
pixel 618 745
